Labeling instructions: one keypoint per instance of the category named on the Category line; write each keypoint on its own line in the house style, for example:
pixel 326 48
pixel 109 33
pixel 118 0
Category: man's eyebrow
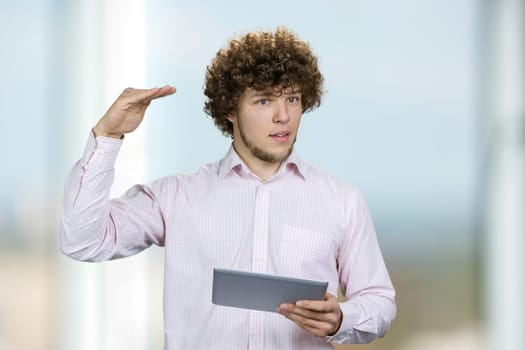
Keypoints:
pixel 260 94
pixel 274 93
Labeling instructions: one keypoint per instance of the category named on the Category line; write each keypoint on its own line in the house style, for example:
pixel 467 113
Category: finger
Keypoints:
pixel 316 327
pixel 144 96
pixel 329 304
pixel 164 91
pixel 297 310
pixel 331 316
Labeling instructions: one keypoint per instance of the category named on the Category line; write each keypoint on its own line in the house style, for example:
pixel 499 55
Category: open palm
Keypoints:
pixel 128 110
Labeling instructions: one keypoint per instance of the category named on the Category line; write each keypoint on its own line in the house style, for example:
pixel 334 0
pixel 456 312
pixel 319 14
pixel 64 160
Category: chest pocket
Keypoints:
pixel 306 253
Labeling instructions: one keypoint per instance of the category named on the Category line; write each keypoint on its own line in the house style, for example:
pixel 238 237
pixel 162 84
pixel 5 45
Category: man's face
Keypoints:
pixel 265 125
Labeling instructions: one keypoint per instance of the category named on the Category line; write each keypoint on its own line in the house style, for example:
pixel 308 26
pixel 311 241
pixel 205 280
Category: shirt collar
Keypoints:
pixel 232 162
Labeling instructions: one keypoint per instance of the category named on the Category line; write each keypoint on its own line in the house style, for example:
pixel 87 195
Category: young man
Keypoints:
pixel 260 209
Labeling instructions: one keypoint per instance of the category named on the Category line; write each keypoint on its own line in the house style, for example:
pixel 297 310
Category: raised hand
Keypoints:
pixel 127 112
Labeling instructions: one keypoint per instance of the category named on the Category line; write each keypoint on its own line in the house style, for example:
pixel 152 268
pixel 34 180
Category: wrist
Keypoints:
pixel 338 325
pixel 98 131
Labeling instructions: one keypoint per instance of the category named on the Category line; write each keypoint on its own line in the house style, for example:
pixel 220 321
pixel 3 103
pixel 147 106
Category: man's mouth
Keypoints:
pixel 281 136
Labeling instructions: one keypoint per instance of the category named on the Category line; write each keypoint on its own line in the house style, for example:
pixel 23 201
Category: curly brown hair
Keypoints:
pixel 263 61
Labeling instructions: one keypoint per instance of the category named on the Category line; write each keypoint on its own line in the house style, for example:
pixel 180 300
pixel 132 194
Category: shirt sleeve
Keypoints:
pixel 95 228
pixel 369 307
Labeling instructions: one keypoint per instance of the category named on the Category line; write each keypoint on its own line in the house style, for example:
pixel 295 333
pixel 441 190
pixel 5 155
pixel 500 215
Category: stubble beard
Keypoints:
pixel 262 154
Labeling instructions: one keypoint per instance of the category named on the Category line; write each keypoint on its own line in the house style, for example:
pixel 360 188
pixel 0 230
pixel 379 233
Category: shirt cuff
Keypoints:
pixel 348 322
pixel 101 152
pixel 353 329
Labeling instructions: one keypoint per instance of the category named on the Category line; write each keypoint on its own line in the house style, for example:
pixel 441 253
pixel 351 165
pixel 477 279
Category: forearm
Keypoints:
pixel 87 232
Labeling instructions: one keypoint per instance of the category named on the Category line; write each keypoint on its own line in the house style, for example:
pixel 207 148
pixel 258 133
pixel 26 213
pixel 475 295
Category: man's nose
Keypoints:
pixel 281 114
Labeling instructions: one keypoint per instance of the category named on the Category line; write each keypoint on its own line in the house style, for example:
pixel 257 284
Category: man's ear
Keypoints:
pixel 231 117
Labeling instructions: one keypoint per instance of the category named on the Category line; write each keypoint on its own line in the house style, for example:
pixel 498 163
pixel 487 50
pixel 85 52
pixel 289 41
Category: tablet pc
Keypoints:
pixel 263 292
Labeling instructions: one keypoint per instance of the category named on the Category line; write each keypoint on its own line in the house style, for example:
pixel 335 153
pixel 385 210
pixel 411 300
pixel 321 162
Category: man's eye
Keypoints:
pixel 293 99
pixel 263 101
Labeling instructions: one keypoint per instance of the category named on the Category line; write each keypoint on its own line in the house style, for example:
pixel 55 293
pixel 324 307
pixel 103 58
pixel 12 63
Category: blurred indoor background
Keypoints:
pixel 423 112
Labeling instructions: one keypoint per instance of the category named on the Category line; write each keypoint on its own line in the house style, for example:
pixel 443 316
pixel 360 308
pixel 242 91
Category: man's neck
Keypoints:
pixel 263 171
pixel 260 168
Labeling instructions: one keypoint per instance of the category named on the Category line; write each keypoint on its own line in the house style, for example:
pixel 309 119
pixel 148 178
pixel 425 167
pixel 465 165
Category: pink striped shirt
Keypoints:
pixel 301 223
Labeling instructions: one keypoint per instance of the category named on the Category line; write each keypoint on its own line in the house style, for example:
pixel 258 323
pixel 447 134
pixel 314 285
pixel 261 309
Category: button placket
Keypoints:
pixel 261 230
pixel 259 259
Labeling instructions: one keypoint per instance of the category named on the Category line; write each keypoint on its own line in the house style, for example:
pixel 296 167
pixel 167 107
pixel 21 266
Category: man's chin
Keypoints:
pixel 272 157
